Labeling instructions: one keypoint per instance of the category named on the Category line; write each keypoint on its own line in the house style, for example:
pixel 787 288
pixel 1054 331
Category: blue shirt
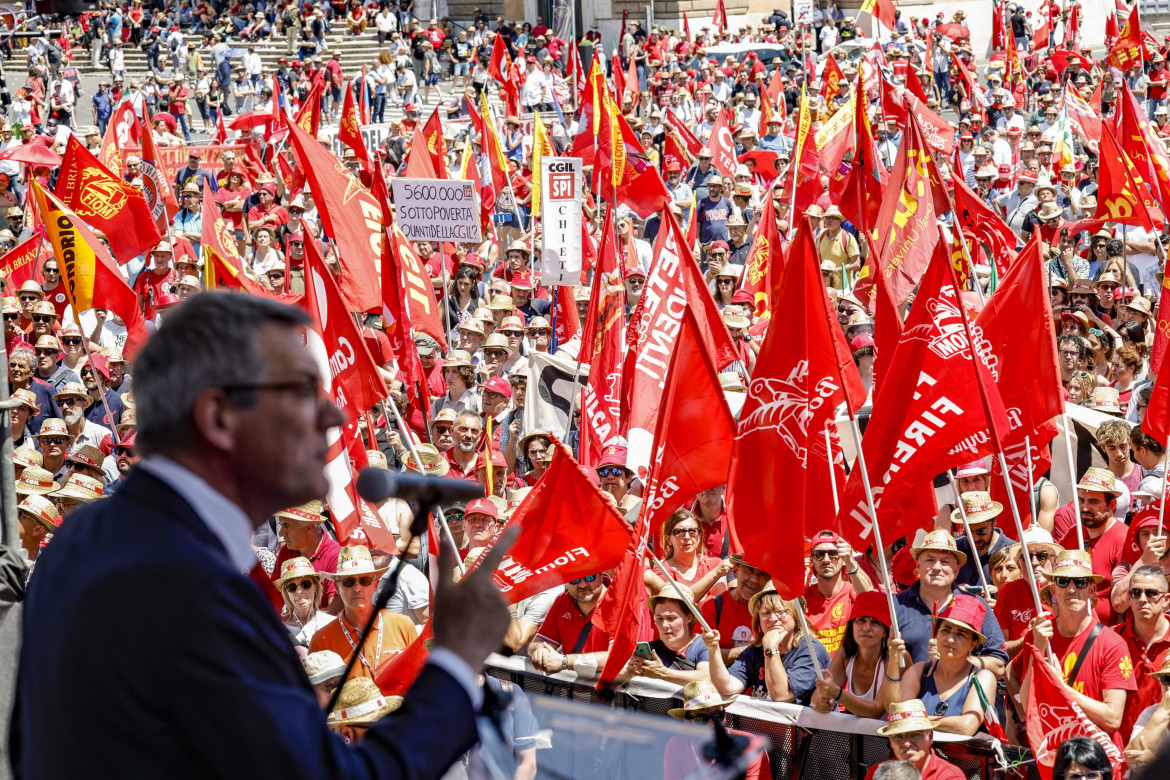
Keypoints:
pixel 695 652
pixel 914 621
pixel 713 216
pixel 969 575
pixel 102 105
pixel 186 222
pixel 749 669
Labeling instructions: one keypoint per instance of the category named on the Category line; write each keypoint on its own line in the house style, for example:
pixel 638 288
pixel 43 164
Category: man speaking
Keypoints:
pixel 150 652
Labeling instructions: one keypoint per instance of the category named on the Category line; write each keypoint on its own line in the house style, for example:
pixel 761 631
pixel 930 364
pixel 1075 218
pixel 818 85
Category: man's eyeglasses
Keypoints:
pixel 29 299
pixel 588 578
pixel 127 451
pixel 11 317
pixel 1080 582
pixel 443 428
pixel 43 351
pixel 1150 593
pixel 695 532
pixel 820 555
pixel 1040 556
pixel 1102 775
pixel 985 531
pixel 291 587
pixel 610 471
pixel 43 318
pixel 1069 353
pixel 365 580
pixel 54 441
pixel 71 401
pixel 51 271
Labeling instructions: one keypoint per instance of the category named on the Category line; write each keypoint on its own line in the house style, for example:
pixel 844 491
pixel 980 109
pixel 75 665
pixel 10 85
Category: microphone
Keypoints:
pixel 376 485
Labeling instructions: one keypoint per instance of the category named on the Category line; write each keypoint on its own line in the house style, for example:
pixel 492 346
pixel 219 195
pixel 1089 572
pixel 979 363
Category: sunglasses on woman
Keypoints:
pixel 291 587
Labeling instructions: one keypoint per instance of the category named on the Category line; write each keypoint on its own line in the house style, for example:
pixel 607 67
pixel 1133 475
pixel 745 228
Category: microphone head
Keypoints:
pixel 375 484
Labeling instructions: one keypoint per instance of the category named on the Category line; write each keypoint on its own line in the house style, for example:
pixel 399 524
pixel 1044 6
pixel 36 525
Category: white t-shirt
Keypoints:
pixel 413 591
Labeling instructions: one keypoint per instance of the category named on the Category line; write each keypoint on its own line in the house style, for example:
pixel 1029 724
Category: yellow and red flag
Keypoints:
pixel 92 278
pixel 1130 48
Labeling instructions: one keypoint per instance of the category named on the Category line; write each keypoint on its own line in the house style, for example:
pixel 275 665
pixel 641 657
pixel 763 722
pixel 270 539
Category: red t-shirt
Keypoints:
pixel 150 286
pixel 828 616
pixel 1107 666
pixel 1146 660
pixel 564 623
pixel 457 471
pixel 1106 551
pixel 60 302
pixel 223 195
pixel 937 768
pixel 379 345
pixel 325 560
pixel 714 534
pixel 256 213
pixel 734 623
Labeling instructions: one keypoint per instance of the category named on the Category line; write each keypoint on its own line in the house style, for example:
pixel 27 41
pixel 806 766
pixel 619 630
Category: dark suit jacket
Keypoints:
pixel 146 655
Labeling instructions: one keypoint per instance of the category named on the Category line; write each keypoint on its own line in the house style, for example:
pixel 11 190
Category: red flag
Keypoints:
pixel 765 263
pixel 831 80
pixel 568 324
pixel 308 117
pixel 674 153
pixel 803 372
pixel 1122 195
pixel 91 278
pixel 106 202
pixel 626 175
pixel 424 307
pixel 418 161
pixel 395 311
pixel 695 435
pixel 980 221
pixel 1144 148
pixel 434 145
pixel 356 521
pixel 722 146
pixel 859 192
pixel 719 20
pixel 110 153
pixel 575 71
pixel 882 10
pixel 554 546
pixel 395 676
pixel 601 348
pixel 159 196
pixel 19 264
pixel 221 133
pixel 1111 31
pixel 907 221
pixel 652 336
pixel 352 378
pixel 929 413
pixel 500 62
pixel 914 86
pixel 692 143
pixel 350 215
pixel 1054 717
pixel 687 28
pixel 1130 48
pixel 348 130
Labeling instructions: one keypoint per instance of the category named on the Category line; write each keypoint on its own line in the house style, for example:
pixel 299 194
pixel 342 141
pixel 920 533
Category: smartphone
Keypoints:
pixel 643 651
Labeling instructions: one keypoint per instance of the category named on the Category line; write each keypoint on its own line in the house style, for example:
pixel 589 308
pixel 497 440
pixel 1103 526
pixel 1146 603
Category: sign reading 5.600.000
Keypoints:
pixel 436 210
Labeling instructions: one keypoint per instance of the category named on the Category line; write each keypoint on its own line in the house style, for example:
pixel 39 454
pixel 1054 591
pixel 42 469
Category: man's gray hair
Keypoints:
pixel 28 353
pixel 467 414
pixel 208 341
pixel 896 770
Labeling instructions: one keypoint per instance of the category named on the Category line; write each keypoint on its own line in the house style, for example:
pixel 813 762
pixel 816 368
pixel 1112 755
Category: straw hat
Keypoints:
pixel 501 303
pixel 81 488
pixel 323 665
pixel 40 509
pixel 26 399
pixel 54 426
pixel 44 308
pixel 71 390
pixel 1164 671
pixel 26 456
pixel 484 315
pixel 1038 536
pixel 497 341
pixel 668 594
pixel 522 443
pixel 941 541
pixel 1140 305
pixel 35 481
pixel 470 324
pixel 352 561
pixel 978 506
pixel 49 342
pixel 700 695
pixel 905 717
pixel 32 287
pixel 129 419
pixel 296 569
pixel 1071 563
pixel 361 703
pixel 730 380
pixel 377 459
pixel 1105 399
pixel 1099 481
pixel 306 513
pixel 458 357
pixel 966 612
pixel 734 320
pixel 433 463
pixel 511 323
pixel 445 415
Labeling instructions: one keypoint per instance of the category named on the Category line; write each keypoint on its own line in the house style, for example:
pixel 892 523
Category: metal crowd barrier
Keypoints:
pixel 806 744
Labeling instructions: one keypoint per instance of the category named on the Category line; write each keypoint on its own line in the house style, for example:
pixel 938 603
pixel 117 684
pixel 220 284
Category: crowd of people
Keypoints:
pixel 954 655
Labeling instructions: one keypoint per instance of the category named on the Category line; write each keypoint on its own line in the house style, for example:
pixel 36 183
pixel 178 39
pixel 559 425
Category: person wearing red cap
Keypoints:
pixel 125 458
pixel 634 282
pixel 615 477
pixel 267 213
pixel 839 579
pixel 481 518
pixel 1014 207
pixel 1147 635
pixel 522 284
pixel 856 675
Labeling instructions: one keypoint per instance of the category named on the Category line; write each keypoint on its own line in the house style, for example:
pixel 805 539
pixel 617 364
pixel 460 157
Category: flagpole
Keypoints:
pixel 967 256
pixel 799 602
pixel 1072 475
pixel 404 434
pixel 690 602
pixel 1033 506
pixel 1162 502
pixel 970 536
pixel 832 468
pixel 101 387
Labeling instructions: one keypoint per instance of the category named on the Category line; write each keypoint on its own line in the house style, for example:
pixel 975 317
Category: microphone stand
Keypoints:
pixel 427 503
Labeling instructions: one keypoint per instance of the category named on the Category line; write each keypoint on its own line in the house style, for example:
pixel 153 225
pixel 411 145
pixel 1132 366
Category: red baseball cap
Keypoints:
pixel 129 439
pixel 498 462
pixel 613 456
pixel 522 280
pixel 861 341
pixel 497 384
pixel 825 537
pixel 742 296
pixel 635 271
pixel 482 506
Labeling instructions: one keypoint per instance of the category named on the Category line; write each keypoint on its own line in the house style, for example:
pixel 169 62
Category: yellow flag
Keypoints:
pixel 489 126
pixel 540 147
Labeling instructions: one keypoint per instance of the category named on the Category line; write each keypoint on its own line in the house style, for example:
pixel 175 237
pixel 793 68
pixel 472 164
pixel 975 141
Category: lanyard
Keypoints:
pixel 361 656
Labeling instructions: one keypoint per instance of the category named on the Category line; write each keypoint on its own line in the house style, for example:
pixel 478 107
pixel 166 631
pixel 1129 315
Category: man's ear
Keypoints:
pixel 216 418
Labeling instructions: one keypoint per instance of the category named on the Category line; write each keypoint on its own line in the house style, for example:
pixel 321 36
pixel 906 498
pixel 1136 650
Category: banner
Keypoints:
pixel 172 158
pixel 551 390
pixel 19 264
pixel 560 203
pixel 436 209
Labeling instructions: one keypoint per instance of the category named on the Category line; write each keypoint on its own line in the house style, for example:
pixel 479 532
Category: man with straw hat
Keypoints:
pixel 78 491
pixel 911 734
pixel 1104 534
pixel 302 528
pixel 702 703
pixel 938 561
pixel 1097 669
pixel 54 440
pixel 73 399
pixel 1014 605
pixel 357 581
pixel 981 513
pixel 38 519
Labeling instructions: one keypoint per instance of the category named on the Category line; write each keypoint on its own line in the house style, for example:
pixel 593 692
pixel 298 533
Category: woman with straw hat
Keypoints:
pixel 854 679
pixel 778 664
pixel 300 587
pixel 953 690
pixel 360 705
pixel 911 734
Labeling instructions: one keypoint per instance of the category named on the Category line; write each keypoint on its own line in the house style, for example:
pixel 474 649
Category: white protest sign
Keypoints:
pixel 437 209
pixel 560 208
